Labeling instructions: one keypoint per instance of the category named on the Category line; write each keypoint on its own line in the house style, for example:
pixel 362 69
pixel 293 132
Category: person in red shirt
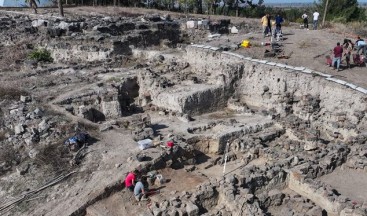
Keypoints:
pixel 130 180
pixel 338 53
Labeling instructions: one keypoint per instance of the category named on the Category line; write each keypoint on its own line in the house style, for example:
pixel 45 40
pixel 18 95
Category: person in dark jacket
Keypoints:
pixel 338 53
pixel 278 22
pixel 269 24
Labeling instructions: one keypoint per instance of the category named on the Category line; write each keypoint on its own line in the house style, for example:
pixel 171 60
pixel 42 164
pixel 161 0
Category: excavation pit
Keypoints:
pixel 275 126
pixel 350 183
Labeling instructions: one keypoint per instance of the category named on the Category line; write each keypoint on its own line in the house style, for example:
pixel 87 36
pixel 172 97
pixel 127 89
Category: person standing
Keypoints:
pixel 278 21
pixel 338 53
pixel 264 23
pixel 315 19
pixel 305 20
pixel 348 48
pixel 269 23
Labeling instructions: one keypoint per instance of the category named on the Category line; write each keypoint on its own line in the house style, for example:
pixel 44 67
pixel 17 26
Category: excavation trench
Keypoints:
pixel 274 128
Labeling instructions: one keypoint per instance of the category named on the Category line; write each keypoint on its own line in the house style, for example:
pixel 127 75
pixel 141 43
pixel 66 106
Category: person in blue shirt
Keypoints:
pixel 278 21
pixel 141 189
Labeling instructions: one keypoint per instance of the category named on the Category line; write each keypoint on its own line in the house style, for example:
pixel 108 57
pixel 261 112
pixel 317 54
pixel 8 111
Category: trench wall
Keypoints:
pixel 270 85
pixel 104 42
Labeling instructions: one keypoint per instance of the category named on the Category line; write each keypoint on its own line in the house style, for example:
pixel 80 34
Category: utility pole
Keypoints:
pixel 325 11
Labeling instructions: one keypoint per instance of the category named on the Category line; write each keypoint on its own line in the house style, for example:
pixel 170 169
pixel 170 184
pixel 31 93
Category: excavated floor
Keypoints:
pixel 348 182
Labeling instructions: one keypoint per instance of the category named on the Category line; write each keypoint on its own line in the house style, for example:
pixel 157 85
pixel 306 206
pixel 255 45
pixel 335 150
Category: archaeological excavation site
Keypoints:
pixel 219 129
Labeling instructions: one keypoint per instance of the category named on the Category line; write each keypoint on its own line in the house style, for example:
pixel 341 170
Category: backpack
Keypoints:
pixel 82 137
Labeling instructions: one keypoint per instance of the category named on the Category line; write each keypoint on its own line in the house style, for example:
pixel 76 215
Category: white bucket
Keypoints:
pixel 159 179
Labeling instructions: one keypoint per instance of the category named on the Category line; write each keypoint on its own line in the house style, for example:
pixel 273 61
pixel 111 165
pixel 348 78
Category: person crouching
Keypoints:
pixel 141 189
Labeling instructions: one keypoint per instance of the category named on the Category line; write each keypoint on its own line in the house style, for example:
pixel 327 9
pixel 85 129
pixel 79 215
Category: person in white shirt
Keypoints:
pixel 305 20
pixel 315 19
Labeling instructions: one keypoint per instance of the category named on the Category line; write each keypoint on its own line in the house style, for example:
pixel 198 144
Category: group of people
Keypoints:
pixel 346 49
pixel 315 20
pixel 137 184
pixel 267 25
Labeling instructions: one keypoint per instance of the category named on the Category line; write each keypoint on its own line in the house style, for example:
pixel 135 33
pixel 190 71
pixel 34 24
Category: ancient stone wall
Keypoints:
pixel 75 41
pixel 332 105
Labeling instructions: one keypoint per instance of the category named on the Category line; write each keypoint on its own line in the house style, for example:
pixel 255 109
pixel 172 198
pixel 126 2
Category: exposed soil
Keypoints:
pixel 351 183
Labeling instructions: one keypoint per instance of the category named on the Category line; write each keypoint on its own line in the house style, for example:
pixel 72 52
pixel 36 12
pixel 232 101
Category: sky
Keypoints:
pixel 296 1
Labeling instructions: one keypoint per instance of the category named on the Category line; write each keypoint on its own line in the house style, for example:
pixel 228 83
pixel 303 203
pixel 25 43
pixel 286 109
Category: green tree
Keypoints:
pixel 342 10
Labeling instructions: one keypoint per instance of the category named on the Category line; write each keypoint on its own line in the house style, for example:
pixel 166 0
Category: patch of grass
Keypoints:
pixel 11 93
pixel 11 56
pixel 360 28
pixel 2 135
pixel 54 157
pixel 41 55
pixel 8 154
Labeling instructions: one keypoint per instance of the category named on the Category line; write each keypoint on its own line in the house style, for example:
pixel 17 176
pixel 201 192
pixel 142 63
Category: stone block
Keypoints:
pixel 25 99
pixel 191 24
pixel 196 99
pixel 234 30
pixel 39 23
pixel 309 146
pixel 43 126
pixel 192 209
pixel 111 109
pixel 18 129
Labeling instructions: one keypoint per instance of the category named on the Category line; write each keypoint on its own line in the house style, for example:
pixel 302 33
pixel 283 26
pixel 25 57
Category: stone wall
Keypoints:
pixel 75 41
pixel 332 105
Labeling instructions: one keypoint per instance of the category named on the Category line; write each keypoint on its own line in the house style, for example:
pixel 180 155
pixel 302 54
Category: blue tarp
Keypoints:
pixel 21 3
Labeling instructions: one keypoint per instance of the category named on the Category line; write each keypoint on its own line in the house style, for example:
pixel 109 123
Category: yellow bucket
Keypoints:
pixel 245 44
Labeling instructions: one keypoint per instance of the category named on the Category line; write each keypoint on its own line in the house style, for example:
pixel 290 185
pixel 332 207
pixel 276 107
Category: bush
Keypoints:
pixel 11 93
pixel 8 155
pixel 299 20
pixel 359 28
pixel 11 56
pixel 41 55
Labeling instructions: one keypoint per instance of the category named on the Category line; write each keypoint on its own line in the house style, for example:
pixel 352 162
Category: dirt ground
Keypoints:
pixel 350 183
pixel 124 203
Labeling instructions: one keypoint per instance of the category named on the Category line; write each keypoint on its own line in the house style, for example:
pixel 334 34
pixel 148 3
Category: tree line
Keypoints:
pixel 335 10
